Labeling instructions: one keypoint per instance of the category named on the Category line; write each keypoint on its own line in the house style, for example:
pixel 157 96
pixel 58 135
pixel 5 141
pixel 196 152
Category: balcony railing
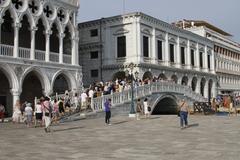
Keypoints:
pixel 24 53
pixel 67 58
pixel 54 57
pixel 40 55
pixel 6 50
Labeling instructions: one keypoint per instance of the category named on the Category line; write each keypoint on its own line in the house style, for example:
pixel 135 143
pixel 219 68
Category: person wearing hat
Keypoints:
pixel 28 113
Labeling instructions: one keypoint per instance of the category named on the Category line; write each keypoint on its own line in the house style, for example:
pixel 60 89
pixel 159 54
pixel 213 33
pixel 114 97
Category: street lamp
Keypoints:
pixel 130 73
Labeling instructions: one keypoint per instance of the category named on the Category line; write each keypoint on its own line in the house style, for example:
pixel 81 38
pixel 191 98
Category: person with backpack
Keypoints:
pixel 47 110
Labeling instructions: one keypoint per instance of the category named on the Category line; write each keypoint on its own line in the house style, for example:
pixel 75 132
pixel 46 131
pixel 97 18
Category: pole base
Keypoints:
pixel 132 115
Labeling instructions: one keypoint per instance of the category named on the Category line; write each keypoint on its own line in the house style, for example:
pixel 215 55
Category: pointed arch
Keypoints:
pixel 29 17
pixel 41 76
pixel 72 84
pixel 11 76
pixel 12 12
pixel 45 22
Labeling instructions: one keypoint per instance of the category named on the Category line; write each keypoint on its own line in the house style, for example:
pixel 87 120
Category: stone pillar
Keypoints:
pixel 16 39
pixel 214 89
pixel 166 54
pixel 198 86
pixel 213 65
pixel 75 51
pixel 61 36
pixel 206 89
pixel 205 62
pixel 1 22
pixel 178 54
pixel 197 58
pixel 32 52
pixel 47 55
pixel 188 56
pixel 153 47
pixel 16 96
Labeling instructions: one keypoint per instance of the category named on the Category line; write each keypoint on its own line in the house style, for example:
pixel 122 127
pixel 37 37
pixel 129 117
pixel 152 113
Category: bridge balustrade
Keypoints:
pixel 97 104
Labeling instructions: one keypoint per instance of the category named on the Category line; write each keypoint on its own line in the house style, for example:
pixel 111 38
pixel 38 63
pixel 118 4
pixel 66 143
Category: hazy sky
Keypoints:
pixel 224 14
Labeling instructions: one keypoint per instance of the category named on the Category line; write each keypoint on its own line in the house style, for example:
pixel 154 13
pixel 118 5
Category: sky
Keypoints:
pixel 224 14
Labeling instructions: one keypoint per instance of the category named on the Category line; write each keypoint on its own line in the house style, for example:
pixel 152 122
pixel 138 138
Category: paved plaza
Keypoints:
pixel 158 138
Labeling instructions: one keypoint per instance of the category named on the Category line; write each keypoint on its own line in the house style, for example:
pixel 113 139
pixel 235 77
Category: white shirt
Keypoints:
pixel 83 97
pixel 38 108
pixel 28 110
pixel 90 93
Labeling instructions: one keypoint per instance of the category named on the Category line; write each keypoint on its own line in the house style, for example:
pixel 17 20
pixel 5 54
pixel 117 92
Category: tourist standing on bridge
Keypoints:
pixel 107 106
pixel 184 111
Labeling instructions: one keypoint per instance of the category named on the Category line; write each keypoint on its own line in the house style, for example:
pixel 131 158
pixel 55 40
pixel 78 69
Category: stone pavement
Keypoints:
pixel 158 138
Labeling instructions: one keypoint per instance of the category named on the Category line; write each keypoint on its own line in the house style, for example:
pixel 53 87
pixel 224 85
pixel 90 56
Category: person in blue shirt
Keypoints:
pixel 107 106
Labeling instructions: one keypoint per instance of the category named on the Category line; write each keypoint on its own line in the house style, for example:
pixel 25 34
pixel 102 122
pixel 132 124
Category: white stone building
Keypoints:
pixel 38 49
pixel 227 53
pixel 158 49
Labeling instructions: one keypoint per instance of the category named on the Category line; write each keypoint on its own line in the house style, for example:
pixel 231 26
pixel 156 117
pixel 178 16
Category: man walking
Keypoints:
pixel 184 111
pixel 107 106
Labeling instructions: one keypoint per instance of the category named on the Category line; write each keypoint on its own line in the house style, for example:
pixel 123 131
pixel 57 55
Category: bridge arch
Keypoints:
pixel 166 104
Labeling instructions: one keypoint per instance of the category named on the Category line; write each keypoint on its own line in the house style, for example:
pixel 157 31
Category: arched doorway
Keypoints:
pixel 203 82
pixel 174 78
pixel 7 32
pixel 185 81
pixel 5 94
pixel 210 84
pixel 24 34
pixel 162 77
pixel 194 83
pixel 31 88
pixel 147 76
pixel 40 40
pixel 61 84
pixel 165 106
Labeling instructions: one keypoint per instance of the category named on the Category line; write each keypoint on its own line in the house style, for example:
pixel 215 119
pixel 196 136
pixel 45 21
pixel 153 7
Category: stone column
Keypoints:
pixel 166 54
pixel 153 47
pixel 206 89
pixel 214 89
pixel 178 54
pixel 197 58
pixel 213 68
pixel 1 22
pixel 32 52
pixel 16 96
pixel 47 54
pixel 16 39
pixel 205 62
pixel 61 36
pixel 188 56
pixel 198 86
pixel 75 51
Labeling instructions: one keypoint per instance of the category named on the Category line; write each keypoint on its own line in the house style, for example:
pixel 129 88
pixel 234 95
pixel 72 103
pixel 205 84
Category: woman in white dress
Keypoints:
pixel 16 112
pixel 145 105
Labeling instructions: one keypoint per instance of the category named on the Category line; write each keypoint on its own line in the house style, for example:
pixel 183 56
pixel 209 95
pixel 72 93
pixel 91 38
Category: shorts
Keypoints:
pixel 38 116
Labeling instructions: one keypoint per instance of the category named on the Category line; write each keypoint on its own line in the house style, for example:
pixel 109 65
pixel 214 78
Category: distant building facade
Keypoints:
pixel 38 49
pixel 227 53
pixel 108 45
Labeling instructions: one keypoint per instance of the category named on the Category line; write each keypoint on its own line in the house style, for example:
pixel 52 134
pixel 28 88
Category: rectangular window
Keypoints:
pixel 94 73
pixel 201 59
pixel 209 61
pixel 192 57
pixel 121 46
pixel 145 46
pixel 94 54
pixel 159 47
pixel 94 32
pixel 171 52
pixel 183 55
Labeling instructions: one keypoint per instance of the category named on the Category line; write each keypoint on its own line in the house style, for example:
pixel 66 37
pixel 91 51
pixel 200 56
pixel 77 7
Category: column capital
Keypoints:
pixel 15 92
pixel 61 35
pixel 18 25
pixel 34 28
pixel 48 32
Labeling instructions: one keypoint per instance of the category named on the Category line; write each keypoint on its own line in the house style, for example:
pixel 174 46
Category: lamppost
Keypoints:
pixel 129 72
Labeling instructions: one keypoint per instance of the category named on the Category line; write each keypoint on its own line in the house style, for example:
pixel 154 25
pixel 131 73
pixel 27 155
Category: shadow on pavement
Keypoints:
pixel 193 125
pixel 120 122
pixel 67 129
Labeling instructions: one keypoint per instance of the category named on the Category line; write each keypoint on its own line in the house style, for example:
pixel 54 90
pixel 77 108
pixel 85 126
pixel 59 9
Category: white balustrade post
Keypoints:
pixel 16 39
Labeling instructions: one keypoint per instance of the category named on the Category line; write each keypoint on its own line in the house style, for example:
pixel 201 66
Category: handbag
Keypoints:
pixel 149 109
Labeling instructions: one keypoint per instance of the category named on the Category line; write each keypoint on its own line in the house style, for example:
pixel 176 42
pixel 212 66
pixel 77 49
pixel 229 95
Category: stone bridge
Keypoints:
pixel 163 98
